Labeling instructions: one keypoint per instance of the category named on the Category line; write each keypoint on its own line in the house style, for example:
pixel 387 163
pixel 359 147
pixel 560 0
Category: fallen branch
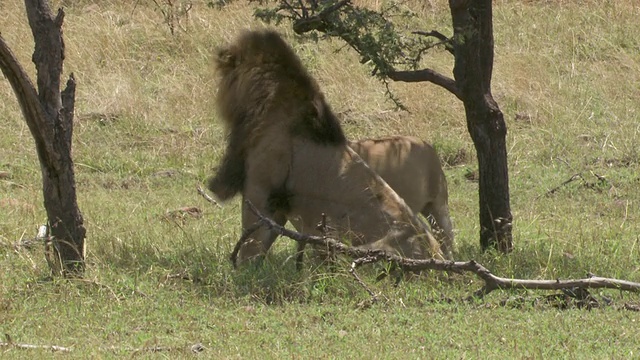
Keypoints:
pixel 9 343
pixel 329 243
pixel 374 297
pixel 570 180
pixel 491 282
pixel 590 185
pixel 631 307
pixel 195 348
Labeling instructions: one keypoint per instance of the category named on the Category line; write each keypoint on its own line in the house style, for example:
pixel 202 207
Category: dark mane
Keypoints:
pixel 261 78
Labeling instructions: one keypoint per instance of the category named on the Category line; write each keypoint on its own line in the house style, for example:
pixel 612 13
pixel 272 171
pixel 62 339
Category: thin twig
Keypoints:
pixel 206 196
pixel 195 348
pixel 287 5
pixel 243 239
pixel 353 273
pixel 571 179
pixel 447 42
pixel 9 343
pixel 318 21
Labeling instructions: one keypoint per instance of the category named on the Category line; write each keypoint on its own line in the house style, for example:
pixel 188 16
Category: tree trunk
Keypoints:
pixel 473 45
pixel 49 115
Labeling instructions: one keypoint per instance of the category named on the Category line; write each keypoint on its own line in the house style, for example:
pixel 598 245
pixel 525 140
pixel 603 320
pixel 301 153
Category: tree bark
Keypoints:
pixel 473 45
pixel 49 116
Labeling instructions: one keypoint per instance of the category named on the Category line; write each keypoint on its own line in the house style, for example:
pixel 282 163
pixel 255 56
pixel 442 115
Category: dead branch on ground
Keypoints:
pixel 195 348
pixel 145 349
pixel 207 197
pixel 601 180
pixel 10 343
pixel 491 281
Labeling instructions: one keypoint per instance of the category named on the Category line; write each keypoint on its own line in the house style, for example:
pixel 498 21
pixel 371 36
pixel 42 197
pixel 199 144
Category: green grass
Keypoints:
pixel 566 77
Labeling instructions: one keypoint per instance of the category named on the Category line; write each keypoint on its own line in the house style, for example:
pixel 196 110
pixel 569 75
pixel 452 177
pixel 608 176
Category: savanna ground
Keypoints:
pixel 566 75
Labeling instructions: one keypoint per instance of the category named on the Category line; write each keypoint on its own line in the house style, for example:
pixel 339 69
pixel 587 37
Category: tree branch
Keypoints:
pixel 426 75
pixel 29 103
pixel 48 54
pixel 491 282
pixel 328 21
pixel 447 42
pixel 317 22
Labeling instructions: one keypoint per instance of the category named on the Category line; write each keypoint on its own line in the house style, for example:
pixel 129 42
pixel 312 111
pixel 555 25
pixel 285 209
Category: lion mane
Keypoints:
pixel 287 154
pixel 259 73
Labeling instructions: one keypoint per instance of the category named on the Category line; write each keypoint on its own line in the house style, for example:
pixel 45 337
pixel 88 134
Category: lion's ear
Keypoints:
pixel 322 122
pixel 225 58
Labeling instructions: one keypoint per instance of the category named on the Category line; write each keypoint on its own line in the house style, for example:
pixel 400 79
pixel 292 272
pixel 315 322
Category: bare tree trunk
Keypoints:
pixel 473 45
pixel 49 115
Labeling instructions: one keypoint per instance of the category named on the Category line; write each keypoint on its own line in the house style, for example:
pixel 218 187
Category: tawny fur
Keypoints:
pixel 287 154
pixel 413 170
pixel 262 76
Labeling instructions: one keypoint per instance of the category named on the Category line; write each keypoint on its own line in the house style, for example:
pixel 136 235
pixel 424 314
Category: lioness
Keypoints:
pixel 288 155
pixel 413 170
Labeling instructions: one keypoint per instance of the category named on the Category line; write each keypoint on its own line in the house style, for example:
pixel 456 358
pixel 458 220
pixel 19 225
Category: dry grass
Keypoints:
pixel 566 77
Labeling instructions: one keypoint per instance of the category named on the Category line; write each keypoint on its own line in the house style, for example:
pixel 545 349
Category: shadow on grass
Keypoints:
pixel 275 281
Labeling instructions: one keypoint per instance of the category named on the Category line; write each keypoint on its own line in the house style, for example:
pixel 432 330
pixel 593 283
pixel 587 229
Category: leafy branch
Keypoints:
pixel 393 54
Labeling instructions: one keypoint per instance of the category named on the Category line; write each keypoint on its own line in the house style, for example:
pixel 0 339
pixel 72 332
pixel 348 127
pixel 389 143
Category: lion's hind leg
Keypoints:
pixel 262 239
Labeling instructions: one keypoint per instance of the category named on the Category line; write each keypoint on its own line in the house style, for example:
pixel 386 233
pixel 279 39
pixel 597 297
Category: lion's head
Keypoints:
pixel 263 81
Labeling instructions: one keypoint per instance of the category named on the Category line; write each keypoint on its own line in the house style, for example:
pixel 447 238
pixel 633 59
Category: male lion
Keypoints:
pixel 287 154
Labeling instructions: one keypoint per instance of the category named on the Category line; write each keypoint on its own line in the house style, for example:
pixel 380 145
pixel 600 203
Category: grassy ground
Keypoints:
pixel 567 76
